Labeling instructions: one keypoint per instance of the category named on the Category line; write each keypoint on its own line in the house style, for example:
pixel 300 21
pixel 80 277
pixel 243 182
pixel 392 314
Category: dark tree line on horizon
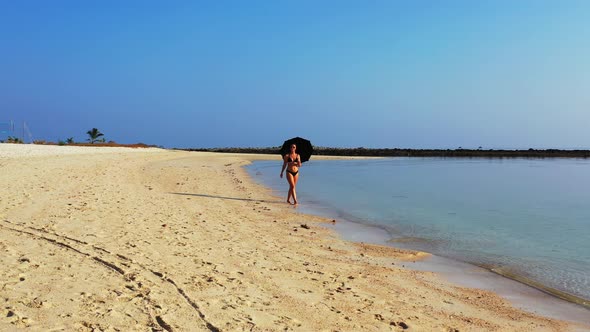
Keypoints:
pixel 396 152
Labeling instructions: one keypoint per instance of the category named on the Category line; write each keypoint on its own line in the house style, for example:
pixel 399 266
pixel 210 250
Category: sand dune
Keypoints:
pixel 119 239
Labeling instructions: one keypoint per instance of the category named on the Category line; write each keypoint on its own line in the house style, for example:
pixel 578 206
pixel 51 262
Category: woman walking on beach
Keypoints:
pixel 292 161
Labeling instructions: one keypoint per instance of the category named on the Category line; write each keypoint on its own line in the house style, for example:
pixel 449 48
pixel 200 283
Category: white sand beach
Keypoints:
pixel 122 239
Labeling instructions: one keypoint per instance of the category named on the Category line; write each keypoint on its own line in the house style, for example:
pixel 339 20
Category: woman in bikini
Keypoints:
pixel 292 162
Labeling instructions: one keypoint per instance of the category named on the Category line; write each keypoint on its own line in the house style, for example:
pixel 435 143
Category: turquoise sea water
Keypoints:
pixel 526 216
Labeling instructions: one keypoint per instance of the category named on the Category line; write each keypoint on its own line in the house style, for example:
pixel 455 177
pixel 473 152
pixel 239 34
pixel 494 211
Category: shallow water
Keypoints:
pixel 530 217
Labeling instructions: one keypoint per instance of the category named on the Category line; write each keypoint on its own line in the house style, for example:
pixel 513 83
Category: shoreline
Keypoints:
pixel 576 309
pixel 172 240
pixel 471 275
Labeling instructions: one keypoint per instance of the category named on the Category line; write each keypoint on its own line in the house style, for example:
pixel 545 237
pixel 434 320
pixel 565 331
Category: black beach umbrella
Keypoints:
pixel 304 148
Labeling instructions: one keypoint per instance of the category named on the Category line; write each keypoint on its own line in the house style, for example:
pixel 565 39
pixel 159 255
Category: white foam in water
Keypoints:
pixel 529 216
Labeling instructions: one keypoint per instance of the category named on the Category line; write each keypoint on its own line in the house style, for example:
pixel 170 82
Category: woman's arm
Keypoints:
pixel 284 165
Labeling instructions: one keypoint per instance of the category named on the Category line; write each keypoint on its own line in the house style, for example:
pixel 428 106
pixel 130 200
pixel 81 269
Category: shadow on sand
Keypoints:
pixel 230 198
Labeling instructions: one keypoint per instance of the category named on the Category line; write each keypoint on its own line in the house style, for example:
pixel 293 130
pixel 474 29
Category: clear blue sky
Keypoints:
pixel 409 74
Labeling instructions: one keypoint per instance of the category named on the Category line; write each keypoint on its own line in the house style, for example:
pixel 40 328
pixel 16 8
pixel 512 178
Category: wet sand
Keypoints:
pixel 521 294
pixel 133 239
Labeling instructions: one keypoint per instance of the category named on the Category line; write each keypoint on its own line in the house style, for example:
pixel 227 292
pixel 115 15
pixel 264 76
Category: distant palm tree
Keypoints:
pixel 94 135
pixel 70 140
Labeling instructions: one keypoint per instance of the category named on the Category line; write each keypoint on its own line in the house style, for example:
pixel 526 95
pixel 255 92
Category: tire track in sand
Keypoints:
pixel 73 245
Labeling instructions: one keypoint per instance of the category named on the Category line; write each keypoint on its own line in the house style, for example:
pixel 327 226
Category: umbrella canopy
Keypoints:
pixel 304 148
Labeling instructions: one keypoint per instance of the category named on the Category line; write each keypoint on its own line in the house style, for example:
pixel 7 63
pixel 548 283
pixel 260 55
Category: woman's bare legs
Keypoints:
pixel 292 183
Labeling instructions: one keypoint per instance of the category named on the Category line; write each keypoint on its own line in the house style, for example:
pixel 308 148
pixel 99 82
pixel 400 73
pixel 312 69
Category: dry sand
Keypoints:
pixel 119 239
